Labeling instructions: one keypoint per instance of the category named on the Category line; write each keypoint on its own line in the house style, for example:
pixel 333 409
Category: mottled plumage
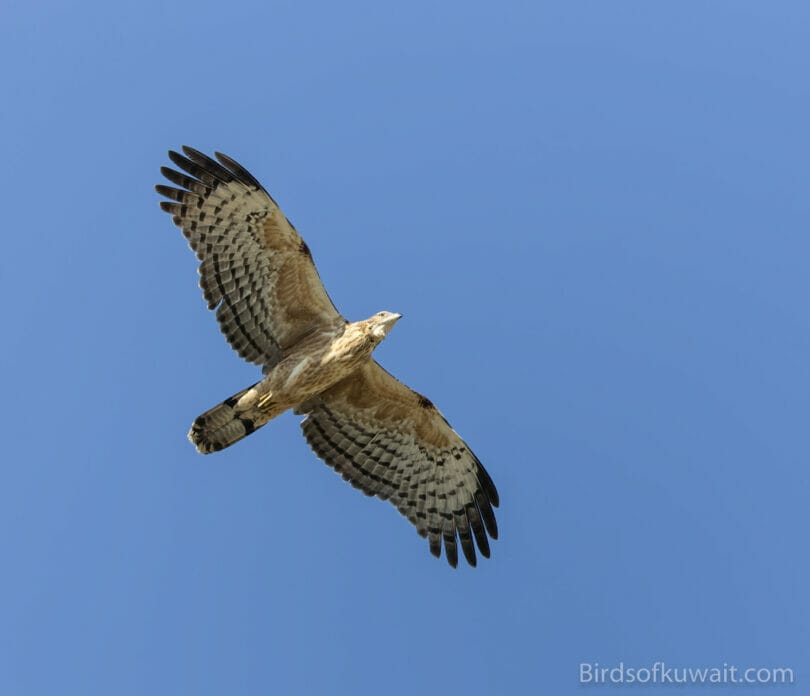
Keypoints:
pixel 381 436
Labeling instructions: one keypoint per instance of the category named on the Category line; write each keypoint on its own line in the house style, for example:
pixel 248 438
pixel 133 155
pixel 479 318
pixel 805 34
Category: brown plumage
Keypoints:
pixel 380 435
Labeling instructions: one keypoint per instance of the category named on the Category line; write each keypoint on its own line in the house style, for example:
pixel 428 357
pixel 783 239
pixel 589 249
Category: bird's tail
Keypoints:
pixel 230 421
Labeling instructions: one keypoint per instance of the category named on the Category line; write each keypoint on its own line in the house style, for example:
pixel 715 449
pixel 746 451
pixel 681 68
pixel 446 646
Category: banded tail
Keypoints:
pixel 230 421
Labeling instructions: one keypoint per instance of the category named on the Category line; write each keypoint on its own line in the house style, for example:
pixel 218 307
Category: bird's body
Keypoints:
pixel 381 436
pixel 315 363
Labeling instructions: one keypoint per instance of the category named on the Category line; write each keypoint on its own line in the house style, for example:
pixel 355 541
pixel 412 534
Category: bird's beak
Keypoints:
pixel 393 319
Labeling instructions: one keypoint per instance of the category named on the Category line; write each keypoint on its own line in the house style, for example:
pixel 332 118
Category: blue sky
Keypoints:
pixel 594 217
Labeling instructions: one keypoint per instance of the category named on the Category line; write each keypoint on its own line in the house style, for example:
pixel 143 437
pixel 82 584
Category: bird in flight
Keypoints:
pixel 382 437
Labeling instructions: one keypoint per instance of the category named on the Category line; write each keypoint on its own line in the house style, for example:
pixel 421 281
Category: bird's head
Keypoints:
pixel 381 324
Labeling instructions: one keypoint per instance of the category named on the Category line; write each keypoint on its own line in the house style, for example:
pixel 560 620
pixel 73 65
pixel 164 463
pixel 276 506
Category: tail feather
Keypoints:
pixel 228 422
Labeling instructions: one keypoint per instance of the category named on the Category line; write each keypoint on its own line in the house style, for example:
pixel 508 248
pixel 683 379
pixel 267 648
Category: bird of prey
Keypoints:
pixel 380 435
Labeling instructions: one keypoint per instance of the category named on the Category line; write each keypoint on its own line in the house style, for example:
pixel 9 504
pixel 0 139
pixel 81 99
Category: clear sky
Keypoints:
pixel 594 217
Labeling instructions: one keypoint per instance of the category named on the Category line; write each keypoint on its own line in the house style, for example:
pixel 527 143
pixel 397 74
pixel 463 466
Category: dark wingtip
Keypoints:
pixel 486 514
pixel 486 482
pixel 170 192
pixel 469 550
pixel 238 170
pixel 450 547
pixel 492 492
pixel 189 151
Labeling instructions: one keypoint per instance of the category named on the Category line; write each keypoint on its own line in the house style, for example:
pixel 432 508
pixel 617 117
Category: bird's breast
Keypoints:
pixel 310 371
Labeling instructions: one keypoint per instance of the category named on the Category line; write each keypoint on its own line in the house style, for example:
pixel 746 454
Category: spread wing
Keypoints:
pixel 389 441
pixel 255 269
